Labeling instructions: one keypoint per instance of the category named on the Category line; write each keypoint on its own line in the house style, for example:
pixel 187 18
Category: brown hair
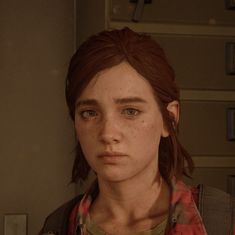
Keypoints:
pixel 110 48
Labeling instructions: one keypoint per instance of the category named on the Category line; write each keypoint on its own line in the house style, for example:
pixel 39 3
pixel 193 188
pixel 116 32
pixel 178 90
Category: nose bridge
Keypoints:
pixel 110 128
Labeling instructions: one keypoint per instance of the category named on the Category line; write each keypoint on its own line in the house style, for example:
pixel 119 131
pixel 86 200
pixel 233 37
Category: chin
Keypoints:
pixel 115 177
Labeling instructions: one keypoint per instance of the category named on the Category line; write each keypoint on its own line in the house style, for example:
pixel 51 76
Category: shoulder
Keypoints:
pixel 211 196
pixel 215 204
pixel 57 221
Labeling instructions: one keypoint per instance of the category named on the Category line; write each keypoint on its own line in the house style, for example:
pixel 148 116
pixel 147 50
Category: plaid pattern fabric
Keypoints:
pixel 184 218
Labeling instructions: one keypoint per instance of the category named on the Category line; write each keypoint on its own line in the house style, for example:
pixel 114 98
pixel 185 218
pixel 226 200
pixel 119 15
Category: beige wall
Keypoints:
pixel 36 140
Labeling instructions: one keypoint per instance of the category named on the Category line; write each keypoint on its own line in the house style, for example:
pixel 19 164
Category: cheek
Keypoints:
pixel 78 130
pixel 145 141
pixel 83 135
pixel 87 143
pixel 150 130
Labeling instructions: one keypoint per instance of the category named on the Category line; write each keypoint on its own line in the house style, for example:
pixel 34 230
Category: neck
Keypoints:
pixel 128 190
pixel 131 199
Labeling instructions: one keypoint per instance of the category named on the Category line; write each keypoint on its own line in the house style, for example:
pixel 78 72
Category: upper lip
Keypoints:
pixel 111 154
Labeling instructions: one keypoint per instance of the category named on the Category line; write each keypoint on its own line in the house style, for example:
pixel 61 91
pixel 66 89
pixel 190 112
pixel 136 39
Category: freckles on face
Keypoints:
pixel 117 112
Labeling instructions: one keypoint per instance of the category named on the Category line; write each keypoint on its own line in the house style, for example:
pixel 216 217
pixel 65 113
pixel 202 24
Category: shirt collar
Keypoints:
pixel 184 218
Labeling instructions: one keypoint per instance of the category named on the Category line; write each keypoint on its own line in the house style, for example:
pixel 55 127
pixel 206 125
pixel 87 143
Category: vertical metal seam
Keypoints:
pixel 74 25
pixel 106 14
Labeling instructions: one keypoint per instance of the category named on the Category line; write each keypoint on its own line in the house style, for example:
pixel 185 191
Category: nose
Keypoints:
pixel 110 131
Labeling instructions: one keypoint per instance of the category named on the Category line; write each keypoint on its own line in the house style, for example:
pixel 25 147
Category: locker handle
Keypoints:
pixel 139 9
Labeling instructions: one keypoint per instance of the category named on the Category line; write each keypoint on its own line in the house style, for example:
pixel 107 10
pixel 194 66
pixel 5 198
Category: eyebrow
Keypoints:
pixel 86 102
pixel 129 100
pixel 125 100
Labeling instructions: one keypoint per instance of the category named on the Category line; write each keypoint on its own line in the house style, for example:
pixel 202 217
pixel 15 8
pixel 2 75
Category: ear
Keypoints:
pixel 174 110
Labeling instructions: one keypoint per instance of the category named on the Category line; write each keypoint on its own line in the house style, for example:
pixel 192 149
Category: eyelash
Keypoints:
pixel 84 112
pixel 136 112
pixel 128 112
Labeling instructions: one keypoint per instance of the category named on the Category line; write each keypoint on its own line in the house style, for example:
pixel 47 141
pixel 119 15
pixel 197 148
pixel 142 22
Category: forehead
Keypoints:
pixel 120 80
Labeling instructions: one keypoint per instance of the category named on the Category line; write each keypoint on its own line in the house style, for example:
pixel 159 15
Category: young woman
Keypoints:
pixel 124 102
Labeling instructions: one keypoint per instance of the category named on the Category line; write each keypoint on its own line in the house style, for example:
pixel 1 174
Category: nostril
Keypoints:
pixel 108 138
pixel 109 132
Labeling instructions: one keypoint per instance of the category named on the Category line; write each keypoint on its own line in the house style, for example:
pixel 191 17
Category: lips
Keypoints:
pixel 111 157
pixel 111 154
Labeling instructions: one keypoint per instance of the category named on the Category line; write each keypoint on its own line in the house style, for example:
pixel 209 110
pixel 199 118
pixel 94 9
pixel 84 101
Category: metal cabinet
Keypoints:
pixel 194 35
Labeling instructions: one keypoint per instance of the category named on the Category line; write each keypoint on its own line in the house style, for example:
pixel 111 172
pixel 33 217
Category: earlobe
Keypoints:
pixel 165 132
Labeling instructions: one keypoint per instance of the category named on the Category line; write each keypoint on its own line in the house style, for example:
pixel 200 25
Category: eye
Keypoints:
pixel 130 112
pixel 88 114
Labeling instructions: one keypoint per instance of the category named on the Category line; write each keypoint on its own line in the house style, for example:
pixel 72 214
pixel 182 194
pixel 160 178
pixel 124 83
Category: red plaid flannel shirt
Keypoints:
pixel 184 218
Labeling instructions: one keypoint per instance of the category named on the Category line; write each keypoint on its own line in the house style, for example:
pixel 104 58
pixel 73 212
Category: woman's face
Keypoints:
pixel 119 124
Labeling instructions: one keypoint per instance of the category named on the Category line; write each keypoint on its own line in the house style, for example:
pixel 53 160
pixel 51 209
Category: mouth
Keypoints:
pixel 111 156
